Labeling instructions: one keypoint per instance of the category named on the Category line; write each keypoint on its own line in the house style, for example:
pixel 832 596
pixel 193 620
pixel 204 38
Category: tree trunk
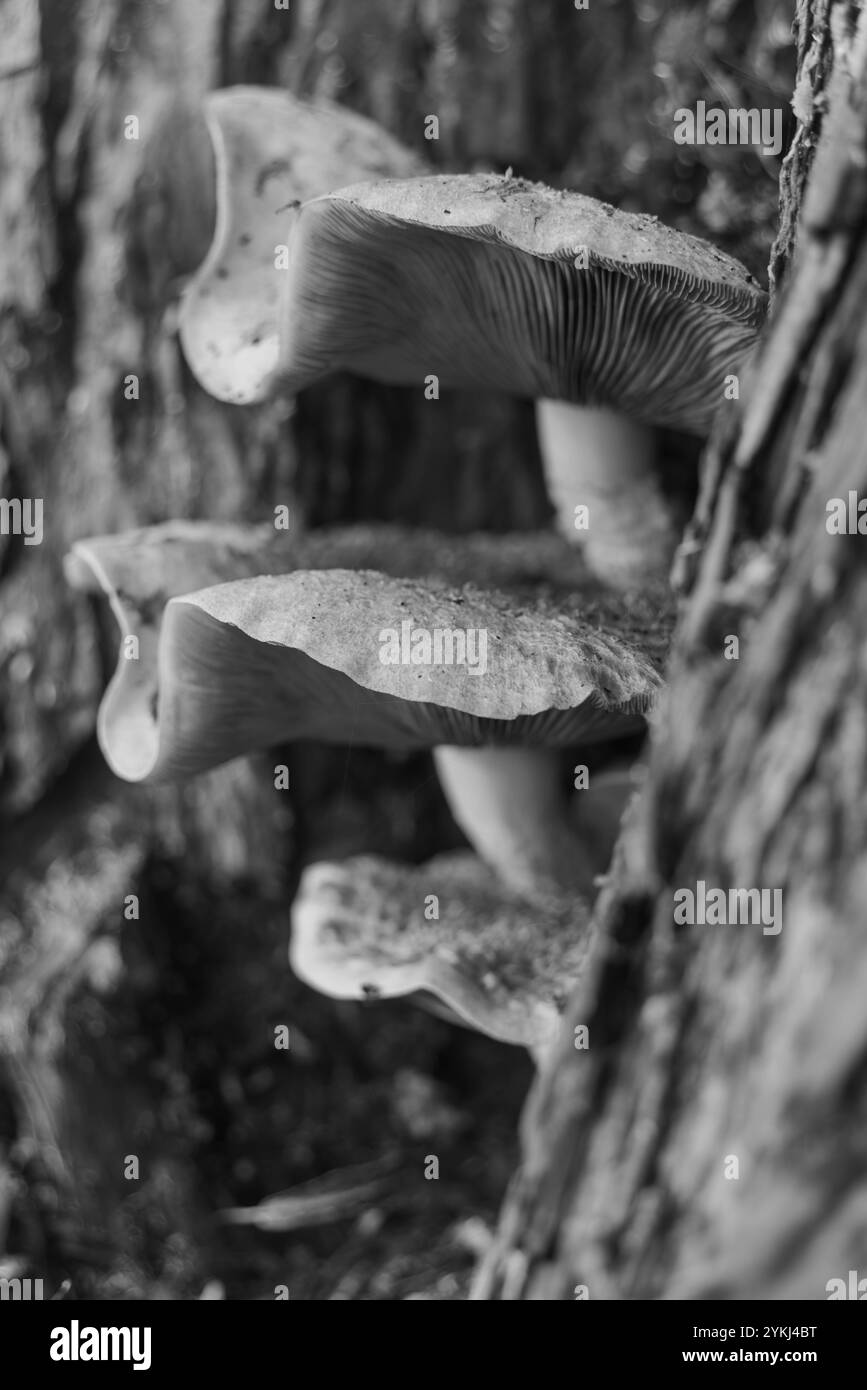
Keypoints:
pixel 708 1144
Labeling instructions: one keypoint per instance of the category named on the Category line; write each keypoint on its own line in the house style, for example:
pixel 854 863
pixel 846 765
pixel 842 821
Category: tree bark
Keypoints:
pixel 708 1144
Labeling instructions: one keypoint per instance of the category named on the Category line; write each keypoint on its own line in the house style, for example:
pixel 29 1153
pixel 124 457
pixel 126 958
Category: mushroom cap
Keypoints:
pixel 238 666
pixel 140 571
pixel 473 278
pixel 271 152
pixel 359 931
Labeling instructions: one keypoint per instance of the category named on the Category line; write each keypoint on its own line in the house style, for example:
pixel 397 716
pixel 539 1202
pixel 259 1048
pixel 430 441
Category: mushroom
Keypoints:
pixel 245 663
pixel 308 655
pixel 271 152
pixel 613 322
pixel 139 571
pixel 366 929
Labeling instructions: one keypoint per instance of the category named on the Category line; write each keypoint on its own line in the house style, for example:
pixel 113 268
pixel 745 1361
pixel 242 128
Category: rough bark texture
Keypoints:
pixel 813 30
pixel 709 1043
pixel 164 1020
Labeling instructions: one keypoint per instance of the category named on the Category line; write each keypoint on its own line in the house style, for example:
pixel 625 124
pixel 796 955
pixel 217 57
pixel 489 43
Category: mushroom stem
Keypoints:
pixel 605 461
pixel 512 807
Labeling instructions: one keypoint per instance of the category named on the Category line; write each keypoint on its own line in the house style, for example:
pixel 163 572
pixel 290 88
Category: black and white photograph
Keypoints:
pixel 433 670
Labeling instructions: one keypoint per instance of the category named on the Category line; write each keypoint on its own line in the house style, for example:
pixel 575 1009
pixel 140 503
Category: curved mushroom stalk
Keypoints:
pixel 446 934
pixel 598 459
pixel 511 805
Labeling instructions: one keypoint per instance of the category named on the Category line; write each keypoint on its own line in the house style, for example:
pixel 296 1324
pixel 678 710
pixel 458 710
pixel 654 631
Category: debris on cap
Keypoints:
pixel 244 665
pixel 191 699
pixel 499 283
pixel 368 929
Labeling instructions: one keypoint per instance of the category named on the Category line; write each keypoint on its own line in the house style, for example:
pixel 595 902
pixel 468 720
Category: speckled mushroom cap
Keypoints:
pixel 271 152
pixel 494 282
pixel 242 665
pixel 140 571
pixel 363 930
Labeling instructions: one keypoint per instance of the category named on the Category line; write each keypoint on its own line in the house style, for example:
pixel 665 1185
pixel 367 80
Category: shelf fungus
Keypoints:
pixel 502 682
pixel 141 570
pixel 446 934
pixel 498 681
pixel 613 322
pixel 271 152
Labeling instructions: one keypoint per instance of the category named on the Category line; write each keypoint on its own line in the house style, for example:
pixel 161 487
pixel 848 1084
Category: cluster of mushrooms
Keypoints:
pixel 246 636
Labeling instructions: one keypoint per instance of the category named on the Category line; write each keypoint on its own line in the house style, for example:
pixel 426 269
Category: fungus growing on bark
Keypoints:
pixel 490 680
pixel 614 323
pixel 139 571
pixel 227 662
pixel 446 930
